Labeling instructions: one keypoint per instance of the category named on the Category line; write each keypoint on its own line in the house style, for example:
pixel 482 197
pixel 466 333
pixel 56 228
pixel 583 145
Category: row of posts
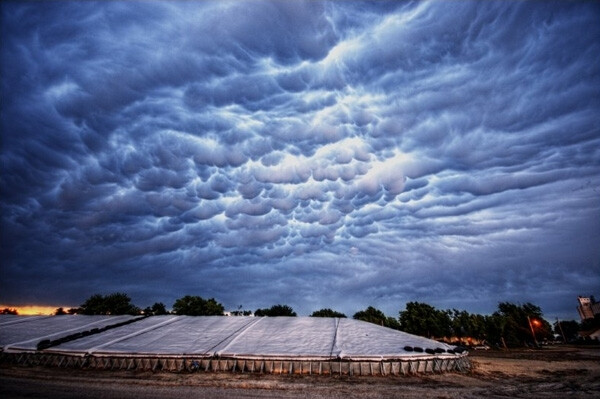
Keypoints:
pixel 318 367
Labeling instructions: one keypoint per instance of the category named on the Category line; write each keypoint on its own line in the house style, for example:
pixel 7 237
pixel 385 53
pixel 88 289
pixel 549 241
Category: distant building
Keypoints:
pixel 588 307
pixel 238 313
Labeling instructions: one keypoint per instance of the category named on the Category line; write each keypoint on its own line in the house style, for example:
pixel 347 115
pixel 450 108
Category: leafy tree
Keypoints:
pixel 569 328
pixel 327 313
pixel 112 304
pixel 94 305
pixel 197 306
pixel 509 326
pixel 376 316
pixel 9 311
pixel 425 320
pixel 465 324
pixel 461 323
pixel 119 303
pixel 157 309
pixel 494 328
pixel 517 329
pixel 477 327
pixel 275 311
pixel 392 322
pixel 371 315
pixel 59 312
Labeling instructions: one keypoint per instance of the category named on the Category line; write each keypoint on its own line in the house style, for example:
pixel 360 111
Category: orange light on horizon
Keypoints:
pixel 34 310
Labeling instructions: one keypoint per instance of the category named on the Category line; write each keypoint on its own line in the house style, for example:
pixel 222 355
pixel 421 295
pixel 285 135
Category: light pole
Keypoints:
pixel 532 331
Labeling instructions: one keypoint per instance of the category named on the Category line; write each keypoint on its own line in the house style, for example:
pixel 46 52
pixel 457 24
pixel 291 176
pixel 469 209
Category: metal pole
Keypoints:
pixel 561 331
pixel 532 332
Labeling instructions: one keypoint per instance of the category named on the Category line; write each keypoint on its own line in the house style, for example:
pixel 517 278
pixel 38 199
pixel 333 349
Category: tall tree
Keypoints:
pixel 327 313
pixel 570 329
pixel 425 320
pixel 376 316
pixel 120 303
pixel 523 324
pixel 157 309
pixel 197 306
pixel 94 305
pixel 465 324
pixel 275 311
pixel 112 304
pixel 494 329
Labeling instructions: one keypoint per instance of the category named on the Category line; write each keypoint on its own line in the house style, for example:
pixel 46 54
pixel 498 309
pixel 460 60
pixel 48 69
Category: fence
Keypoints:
pixel 266 366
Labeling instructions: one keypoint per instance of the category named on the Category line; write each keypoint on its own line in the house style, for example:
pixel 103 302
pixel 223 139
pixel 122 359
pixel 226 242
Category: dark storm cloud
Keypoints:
pixel 321 154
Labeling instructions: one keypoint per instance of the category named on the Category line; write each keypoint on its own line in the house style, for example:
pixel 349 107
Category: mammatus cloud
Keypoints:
pixel 319 154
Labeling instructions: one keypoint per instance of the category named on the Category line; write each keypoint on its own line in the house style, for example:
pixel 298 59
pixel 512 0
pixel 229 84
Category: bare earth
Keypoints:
pixel 553 372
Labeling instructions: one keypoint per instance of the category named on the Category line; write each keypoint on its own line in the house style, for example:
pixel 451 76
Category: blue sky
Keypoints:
pixel 317 154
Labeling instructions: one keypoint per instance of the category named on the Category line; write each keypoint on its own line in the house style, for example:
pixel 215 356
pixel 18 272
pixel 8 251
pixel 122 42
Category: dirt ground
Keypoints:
pixel 552 372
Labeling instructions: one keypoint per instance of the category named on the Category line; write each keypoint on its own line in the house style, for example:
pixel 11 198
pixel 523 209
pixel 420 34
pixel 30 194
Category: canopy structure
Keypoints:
pixel 23 333
pixel 267 344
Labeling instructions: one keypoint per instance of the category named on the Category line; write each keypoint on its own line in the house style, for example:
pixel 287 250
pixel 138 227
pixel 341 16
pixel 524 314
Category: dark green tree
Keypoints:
pixel 517 328
pixel 467 325
pixel 60 312
pixel 157 309
pixel 494 329
pixel 477 327
pixel 371 315
pixel 570 329
pixel 461 323
pixel 425 320
pixel 276 311
pixel 9 311
pixel 327 313
pixel 197 306
pixel 376 316
pixel 119 303
pixel 112 304
pixel 392 322
pixel 94 305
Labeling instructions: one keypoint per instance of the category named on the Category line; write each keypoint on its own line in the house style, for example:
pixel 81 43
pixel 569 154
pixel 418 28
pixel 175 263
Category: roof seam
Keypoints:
pixel 334 343
pixel 134 334
pixel 242 329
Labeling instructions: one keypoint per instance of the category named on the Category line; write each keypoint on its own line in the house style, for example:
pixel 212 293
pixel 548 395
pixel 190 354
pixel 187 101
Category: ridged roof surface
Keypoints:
pixel 216 336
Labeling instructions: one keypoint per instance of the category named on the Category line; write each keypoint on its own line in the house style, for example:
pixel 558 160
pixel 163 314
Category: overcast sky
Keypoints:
pixel 315 154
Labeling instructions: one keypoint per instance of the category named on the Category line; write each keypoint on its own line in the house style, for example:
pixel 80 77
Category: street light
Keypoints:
pixel 531 324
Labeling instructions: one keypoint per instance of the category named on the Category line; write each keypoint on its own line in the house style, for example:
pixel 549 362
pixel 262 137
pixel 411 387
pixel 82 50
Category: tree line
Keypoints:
pixel 511 325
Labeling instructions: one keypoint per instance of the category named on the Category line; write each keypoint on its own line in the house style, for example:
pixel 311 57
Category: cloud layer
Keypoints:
pixel 319 154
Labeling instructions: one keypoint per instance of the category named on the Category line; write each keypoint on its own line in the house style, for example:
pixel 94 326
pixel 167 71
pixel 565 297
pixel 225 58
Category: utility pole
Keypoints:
pixel 562 333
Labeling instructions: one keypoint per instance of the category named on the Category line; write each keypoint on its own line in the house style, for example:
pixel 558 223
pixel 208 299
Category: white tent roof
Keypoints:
pixel 219 336
pixel 24 332
pixel 358 339
pixel 166 335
